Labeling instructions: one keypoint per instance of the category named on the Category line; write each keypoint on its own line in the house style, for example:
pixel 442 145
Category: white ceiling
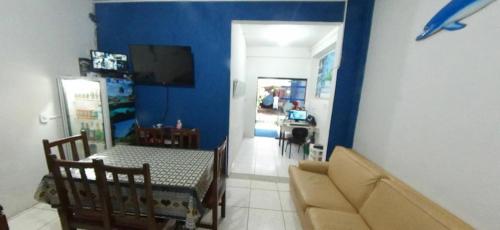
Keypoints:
pixel 293 35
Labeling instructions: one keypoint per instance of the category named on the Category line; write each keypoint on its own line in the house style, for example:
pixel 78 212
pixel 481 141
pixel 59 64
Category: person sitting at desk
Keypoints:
pixel 296 106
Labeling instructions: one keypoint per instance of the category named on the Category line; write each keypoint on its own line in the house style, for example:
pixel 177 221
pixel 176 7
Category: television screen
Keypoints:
pixel 108 61
pixel 162 65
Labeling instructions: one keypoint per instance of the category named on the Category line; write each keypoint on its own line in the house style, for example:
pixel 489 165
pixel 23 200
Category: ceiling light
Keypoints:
pixel 284 35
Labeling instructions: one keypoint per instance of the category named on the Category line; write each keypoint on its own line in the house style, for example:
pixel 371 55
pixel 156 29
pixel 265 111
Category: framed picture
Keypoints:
pixel 325 76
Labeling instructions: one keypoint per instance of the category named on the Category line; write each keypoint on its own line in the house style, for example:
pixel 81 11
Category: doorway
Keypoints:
pixel 275 96
pixel 278 61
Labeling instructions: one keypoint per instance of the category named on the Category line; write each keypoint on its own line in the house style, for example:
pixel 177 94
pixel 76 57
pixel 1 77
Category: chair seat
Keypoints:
pixel 317 190
pixel 323 219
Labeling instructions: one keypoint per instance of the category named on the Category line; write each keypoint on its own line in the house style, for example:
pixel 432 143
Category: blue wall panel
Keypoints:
pixel 351 73
pixel 206 27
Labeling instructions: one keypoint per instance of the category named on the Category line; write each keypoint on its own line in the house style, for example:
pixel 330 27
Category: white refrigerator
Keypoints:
pixel 84 105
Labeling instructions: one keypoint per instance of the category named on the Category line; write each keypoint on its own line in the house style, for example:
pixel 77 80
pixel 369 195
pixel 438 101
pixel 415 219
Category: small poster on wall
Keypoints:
pixel 325 76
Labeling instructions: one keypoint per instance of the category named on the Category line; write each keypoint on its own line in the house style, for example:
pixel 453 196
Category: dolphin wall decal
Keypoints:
pixel 449 17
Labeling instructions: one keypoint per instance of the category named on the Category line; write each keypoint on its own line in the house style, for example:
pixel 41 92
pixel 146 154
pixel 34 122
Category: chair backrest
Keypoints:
pixel 3 220
pixel 150 136
pixel 185 138
pixel 220 166
pixel 74 178
pixel 300 133
pixel 125 214
pixel 59 144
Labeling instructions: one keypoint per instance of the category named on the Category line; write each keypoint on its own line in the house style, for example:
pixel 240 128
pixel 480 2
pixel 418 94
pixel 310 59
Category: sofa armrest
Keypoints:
pixel 314 166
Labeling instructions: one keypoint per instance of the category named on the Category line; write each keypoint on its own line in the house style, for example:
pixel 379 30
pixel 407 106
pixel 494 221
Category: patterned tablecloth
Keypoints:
pixel 180 177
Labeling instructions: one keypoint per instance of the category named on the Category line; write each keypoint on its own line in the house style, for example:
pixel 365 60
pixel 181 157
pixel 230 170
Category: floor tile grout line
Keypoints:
pixel 46 224
pixel 249 200
pixel 265 208
pixel 275 184
pixel 261 209
pixel 284 221
pixel 262 189
pixel 21 215
pixel 282 213
pixel 18 215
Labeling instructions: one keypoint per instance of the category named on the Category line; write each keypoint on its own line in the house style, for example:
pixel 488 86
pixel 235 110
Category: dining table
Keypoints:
pixel 180 178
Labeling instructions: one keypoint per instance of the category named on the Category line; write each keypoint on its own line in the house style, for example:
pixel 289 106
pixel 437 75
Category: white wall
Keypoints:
pixel 236 105
pixel 430 110
pixel 275 62
pixel 39 41
pixel 321 108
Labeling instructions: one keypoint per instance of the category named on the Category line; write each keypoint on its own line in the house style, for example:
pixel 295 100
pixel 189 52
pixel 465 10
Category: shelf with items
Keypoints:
pixel 315 152
pixel 121 104
pixel 94 130
pixel 92 96
pixel 87 114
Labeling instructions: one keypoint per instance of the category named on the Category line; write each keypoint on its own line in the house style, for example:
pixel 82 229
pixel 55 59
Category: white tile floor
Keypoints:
pixel 251 204
pixel 261 156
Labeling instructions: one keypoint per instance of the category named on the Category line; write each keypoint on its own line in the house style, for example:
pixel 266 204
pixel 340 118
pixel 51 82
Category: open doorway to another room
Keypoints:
pixel 275 96
pixel 278 69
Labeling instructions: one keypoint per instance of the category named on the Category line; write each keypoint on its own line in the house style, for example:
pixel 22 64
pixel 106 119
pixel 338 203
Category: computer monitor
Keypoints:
pixel 297 115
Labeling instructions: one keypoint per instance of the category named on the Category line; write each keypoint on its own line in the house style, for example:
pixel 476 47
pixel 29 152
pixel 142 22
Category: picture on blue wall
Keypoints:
pixel 325 76
pixel 124 131
pixel 121 99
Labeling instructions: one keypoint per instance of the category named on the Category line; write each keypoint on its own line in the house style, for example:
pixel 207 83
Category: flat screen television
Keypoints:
pixel 162 65
pixel 103 61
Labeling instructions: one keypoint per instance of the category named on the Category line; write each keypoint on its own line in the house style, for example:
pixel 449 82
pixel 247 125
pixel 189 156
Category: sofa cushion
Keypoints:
pixel 302 215
pixel 323 219
pixel 392 207
pixel 314 166
pixel 353 175
pixel 316 190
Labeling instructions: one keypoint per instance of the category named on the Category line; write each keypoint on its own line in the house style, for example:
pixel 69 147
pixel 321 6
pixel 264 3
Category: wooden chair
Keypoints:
pixel 85 211
pixel 216 194
pixel 150 136
pixel 3 220
pixel 94 209
pixel 129 216
pixel 185 138
pixel 47 147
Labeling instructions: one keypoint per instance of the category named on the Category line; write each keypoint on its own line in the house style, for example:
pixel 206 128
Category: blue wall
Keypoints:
pixel 351 73
pixel 206 27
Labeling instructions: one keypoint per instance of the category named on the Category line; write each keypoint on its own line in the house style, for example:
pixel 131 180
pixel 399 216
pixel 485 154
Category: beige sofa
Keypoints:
pixel 350 192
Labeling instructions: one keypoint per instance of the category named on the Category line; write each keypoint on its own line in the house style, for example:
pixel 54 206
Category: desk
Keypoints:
pixel 179 177
pixel 286 126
